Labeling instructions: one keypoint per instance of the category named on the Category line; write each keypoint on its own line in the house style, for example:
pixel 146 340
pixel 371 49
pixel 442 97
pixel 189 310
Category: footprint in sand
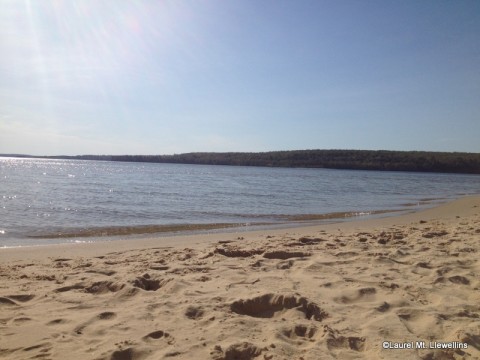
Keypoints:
pixel 4 301
pixel 103 287
pixel 361 295
pixel 21 298
pixel 243 351
pixel 159 267
pixel 155 335
pixel 235 252
pixel 127 354
pixel 285 265
pixel 146 283
pixel 194 312
pixel 159 335
pixel 305 241
pixel 43 348
pixel 101 272
pixel 57 322
pixel 268 305
pixel 284 255
pixel 70 287
pixel 346 342
pixel 299 334
pixel 21 320
pixel 335 341
pixel 106 315
pixel 383 308
pixel 459 280
pixel 419 322
pixel 99 287
pixel 12 300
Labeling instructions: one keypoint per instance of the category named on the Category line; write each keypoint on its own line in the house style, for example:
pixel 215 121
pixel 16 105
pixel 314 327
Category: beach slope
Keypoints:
pixel 405 287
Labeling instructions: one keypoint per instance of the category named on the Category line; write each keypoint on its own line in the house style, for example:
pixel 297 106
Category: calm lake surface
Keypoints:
pixel 54 201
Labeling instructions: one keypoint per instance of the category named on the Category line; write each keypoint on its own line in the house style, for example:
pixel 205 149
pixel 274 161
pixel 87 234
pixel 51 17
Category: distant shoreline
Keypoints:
pixel 376 160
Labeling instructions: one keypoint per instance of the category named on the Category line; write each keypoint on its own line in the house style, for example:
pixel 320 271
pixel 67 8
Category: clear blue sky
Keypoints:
pixel 162 77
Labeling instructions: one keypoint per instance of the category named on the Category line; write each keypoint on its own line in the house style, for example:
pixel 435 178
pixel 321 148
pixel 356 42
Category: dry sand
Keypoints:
pixel 325 292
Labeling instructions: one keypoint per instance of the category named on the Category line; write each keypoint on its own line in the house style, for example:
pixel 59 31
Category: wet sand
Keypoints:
pixel 403 287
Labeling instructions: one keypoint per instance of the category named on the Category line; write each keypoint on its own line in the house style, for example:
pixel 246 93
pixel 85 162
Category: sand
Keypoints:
pixel 339 291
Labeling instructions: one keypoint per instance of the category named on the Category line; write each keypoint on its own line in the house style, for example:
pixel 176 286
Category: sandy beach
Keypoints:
pixel 402 287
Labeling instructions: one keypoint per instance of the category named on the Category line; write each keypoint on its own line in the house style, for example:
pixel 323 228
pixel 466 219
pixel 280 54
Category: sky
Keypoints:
pixel 164 77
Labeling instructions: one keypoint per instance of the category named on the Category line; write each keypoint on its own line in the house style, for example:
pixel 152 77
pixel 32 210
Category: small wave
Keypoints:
pixel 108 231
pixel 362 213
pixel 81 241
pixel 133 230
pixel 333 215
pixel 11 246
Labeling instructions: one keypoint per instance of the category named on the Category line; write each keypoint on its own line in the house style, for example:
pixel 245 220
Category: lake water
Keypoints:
pixel 53 201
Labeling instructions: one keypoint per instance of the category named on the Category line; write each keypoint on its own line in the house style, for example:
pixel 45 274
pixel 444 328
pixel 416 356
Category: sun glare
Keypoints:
pixel 86 41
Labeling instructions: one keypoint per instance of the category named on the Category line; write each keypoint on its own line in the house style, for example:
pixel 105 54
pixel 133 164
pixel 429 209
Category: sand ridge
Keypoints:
pixel 328 292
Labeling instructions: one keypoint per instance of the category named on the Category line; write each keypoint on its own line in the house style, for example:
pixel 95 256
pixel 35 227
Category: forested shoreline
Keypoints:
pixel 383 160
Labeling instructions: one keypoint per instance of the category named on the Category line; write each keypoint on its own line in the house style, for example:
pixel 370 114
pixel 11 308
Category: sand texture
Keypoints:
pixel 323 292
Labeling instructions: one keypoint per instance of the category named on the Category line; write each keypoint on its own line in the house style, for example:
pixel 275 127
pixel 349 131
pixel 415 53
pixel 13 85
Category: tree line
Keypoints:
pixel 417 161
